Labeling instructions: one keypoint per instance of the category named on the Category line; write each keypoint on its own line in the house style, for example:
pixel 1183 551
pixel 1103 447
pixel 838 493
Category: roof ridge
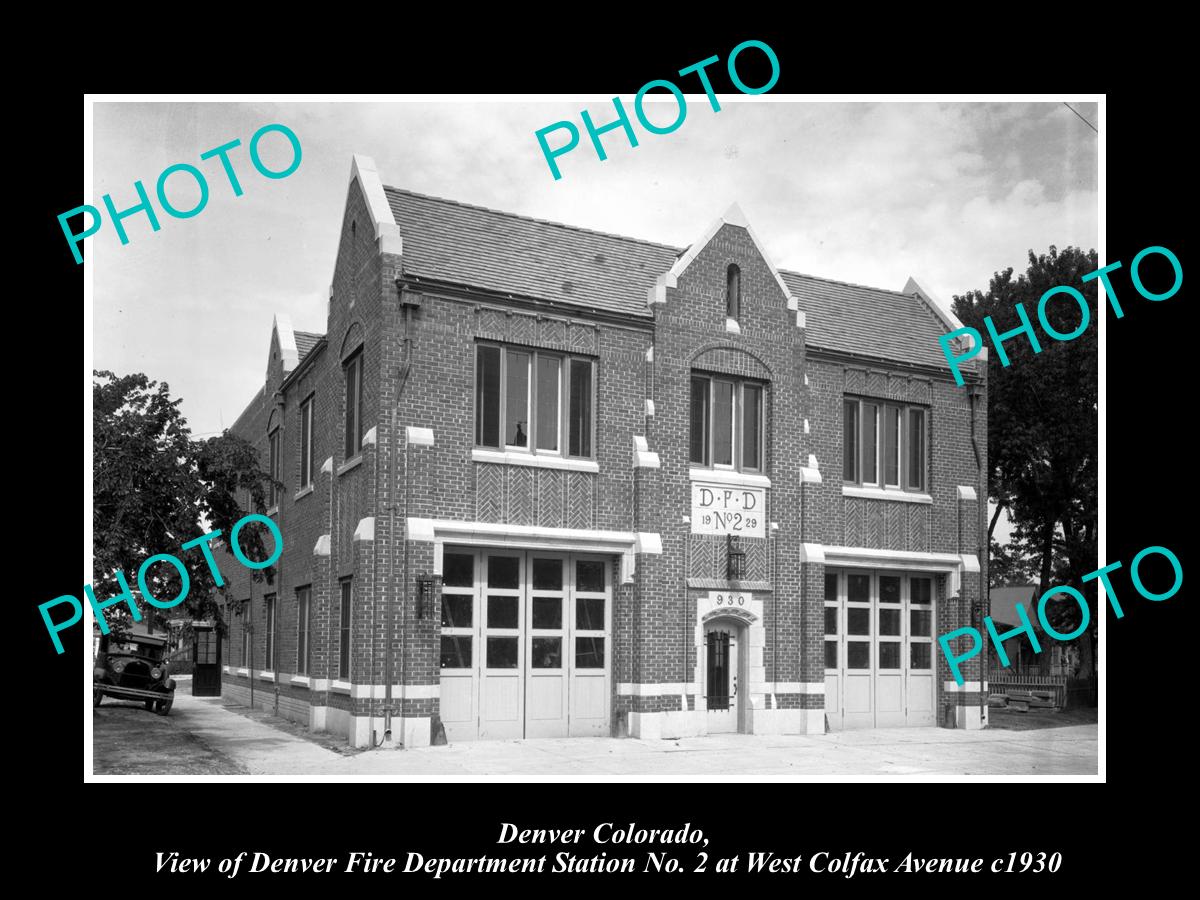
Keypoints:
pixel 513 215
pixel 676 250
pixel 866 287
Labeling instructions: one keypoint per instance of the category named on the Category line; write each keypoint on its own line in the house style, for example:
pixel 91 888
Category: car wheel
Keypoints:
pixel 164 707
pixel 97 696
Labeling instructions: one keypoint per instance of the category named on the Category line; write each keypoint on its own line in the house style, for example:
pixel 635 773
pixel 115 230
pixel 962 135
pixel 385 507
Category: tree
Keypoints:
pixel 1008 564
pixel 155 488
pixel 1042 421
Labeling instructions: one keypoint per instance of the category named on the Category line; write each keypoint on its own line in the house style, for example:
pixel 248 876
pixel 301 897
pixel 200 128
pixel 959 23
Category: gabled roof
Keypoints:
pixel 511 254
pixel 1004 602
pixel 455 242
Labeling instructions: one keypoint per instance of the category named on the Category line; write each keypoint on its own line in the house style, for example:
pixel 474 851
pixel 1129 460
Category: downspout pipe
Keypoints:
pixel 983 587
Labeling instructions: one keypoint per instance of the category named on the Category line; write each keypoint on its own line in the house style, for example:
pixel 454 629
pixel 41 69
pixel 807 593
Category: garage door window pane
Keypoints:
pixel 858 621
pixel 502 612
pixel 547 612
pixel 589 576
pixel 456 611
pixel 831 618
pixel 501 652
pixel 589 613
pixel 858 655
pixel 889 588
pixel 920 656
pixel 919 625
pixel 921 590
pixel 503 571
pixel 458 570
pixel 456 652
pixel 547 574
pixel 889 654
pixel 547 653
pixel 889 621
pixel 589 653
pixel 859 588
pixel 831 654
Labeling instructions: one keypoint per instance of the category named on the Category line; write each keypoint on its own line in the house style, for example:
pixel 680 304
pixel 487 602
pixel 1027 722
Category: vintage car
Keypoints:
pixel 133 667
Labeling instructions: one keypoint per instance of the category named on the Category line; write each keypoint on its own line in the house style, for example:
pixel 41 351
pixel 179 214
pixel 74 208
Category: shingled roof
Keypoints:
pixel 305 341
pixel 455 242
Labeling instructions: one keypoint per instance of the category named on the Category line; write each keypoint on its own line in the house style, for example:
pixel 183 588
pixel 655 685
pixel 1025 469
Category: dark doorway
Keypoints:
pixel 718 670
pixel 206 662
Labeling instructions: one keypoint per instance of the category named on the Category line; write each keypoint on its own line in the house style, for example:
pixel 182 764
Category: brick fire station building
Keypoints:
pixel 543 481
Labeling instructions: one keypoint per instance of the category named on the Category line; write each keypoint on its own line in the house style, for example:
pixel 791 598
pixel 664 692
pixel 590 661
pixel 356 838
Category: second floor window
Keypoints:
pixel 533 400
pixel 306 443
pixel 727 423
pixel 884 444
pixel 353 369
pixel 273 467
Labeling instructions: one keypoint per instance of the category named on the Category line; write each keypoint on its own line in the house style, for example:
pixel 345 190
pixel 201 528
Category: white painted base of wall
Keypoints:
pixel 316 717
pixel 968 717
pixel 416 731
pixel 669 725
pixel 337 721
pixel 787 721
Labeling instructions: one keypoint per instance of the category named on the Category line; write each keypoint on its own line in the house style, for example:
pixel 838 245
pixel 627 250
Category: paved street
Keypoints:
pixel 201 736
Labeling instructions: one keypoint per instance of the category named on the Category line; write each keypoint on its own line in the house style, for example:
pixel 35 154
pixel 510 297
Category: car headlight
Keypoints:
pixel 98 672
pixel 156 673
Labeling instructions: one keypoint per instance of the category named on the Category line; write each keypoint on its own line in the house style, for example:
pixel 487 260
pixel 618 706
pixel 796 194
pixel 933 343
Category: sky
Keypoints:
pixel 870 193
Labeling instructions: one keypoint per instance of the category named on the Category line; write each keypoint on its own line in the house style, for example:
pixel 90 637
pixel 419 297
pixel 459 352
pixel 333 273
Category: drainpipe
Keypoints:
pixel 983 587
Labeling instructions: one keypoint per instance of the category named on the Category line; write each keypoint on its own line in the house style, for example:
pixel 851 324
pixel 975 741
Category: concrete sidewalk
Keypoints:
pixel 896 752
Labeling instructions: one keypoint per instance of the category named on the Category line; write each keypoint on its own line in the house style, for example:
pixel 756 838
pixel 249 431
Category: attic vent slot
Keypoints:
pixel 733 292
pixel 567 287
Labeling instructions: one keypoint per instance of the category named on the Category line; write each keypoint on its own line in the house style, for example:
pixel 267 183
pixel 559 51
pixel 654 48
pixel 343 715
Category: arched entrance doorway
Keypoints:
pixel 725 682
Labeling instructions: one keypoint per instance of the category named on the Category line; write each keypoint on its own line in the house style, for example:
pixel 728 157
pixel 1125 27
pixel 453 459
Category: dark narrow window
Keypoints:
pixel 354 406
pixel 246 632
pixel 516 399
pixel 303 608
pixel 549 387
pixel 306 443
pixel 269 660
pixel 850 440
pixel 751 427
pixel 699 453
pixel 723 423
pixel 273 468
pixel 891 445
pixel 487 397
pixel 916 449
pixel 733 292
pixel 344 632
pixel 581 408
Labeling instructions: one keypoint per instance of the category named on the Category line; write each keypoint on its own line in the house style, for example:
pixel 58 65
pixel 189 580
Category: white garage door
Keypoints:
pixel 878 649
pixel 526 644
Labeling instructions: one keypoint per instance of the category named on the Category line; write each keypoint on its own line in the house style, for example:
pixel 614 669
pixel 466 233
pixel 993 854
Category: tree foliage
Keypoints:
pixel 1042 422
pixel 155 488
